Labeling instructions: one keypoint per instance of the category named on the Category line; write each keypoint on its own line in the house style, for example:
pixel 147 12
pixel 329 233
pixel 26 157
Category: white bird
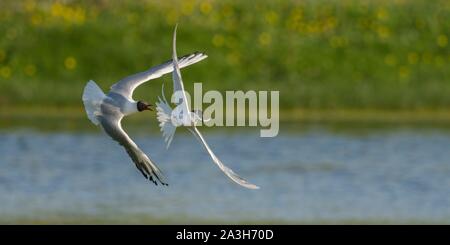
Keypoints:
pixel 107 110
pixel 181 116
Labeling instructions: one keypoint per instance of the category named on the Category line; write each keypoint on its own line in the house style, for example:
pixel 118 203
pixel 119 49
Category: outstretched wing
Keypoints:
pixel 127 85
pixel 178 85
pixel 112 126
pixel 232 175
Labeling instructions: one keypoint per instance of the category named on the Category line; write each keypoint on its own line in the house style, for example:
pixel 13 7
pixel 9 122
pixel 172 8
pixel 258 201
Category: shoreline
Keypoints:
pixel 74 119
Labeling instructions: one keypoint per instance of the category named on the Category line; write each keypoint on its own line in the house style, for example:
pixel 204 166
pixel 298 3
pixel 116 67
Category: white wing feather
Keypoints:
pixel 176 75
pixel 163 114
pixel 232 175
pixel 127 85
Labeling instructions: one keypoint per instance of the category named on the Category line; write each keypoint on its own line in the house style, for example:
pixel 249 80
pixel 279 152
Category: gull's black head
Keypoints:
pixel 142 106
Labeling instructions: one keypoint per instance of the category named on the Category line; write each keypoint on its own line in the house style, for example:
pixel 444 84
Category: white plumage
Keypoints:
pixel 181 116
pixel 92 99
pixel 164 116
pixel 107 111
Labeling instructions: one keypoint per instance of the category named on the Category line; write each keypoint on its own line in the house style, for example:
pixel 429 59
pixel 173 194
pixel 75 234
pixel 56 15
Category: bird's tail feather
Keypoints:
pixel 164 113
pixel 92 99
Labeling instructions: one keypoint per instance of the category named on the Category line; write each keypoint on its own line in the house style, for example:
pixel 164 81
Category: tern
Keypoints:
pixel 107 110
pixel 181 116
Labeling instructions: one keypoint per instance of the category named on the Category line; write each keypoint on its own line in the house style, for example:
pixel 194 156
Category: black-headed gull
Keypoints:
pixel 107 110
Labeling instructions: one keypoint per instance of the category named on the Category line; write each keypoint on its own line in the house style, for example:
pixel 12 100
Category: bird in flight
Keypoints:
pixel 107 110
pixel 181 116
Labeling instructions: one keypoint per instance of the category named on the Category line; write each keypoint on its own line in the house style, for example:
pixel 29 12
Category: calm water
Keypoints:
pixel 313 176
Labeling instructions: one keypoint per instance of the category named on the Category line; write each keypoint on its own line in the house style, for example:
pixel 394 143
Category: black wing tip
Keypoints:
pixel 156 182
pixel 195 54
pixel 192 55
pixel 162 182
pixel 200 53
pixel 150 177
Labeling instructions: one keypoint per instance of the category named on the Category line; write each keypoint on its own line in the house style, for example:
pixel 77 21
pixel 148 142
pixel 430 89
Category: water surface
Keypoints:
pixel 308 176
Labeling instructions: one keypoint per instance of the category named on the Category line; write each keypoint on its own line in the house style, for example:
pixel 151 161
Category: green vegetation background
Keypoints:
pixel 321 55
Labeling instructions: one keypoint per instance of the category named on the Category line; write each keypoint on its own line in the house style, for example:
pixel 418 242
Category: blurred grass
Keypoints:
pixel 354 121
pixel 321 55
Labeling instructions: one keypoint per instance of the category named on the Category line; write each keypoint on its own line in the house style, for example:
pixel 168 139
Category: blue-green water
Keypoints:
pixel 312 176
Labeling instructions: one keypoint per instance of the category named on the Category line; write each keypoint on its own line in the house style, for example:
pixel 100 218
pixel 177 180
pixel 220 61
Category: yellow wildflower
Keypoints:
pixel 218 40
pixel 403 72
pixel 442 40
pixel 2 55
pixel 5 72
pixel 390 60
pixel 30 70
pixel 413 58
pixel 70 63
pixel 264 39
pixel 271 17
pixel 205 7
pixel 382 14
